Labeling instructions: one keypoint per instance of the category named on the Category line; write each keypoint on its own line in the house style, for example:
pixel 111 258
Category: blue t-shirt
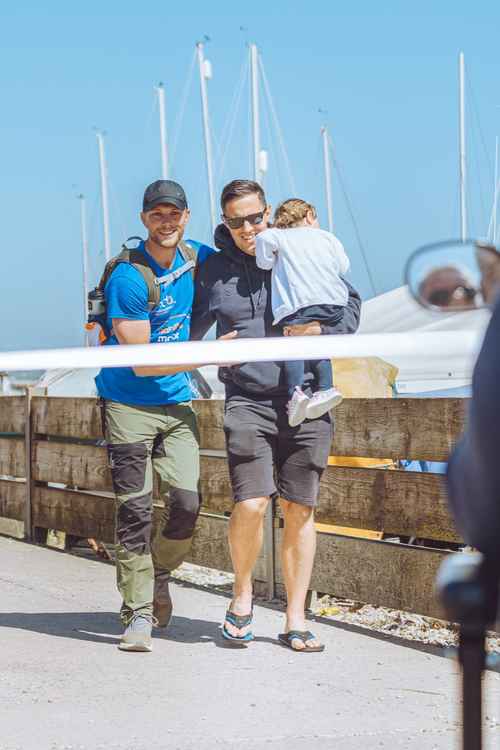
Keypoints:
pixel 126 295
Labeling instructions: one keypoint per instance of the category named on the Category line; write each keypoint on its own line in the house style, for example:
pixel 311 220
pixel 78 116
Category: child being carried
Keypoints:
pixel 307 265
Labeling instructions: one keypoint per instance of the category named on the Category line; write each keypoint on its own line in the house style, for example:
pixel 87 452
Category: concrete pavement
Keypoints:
pixel 64 684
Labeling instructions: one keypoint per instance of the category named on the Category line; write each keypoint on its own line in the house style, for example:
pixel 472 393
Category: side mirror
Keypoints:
pixel 454 276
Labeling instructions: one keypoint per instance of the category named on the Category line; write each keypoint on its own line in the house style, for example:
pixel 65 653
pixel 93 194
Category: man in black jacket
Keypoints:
pixel 473 475
pixel 266 456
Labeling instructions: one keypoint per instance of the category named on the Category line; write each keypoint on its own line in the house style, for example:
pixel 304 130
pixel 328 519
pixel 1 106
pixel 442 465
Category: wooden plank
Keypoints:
pixel 12 457
pixel 8 527
pixel 423 429
pixel 420 429
pixel 328 528
pixel 215 486
pixel 12 414
pixel 210 415
pixel 378 573
pixel 12 496
pixel 400 503
pixel 89 515
pixel 29 531
pixel 210 547
pixel 82 466
pixel 67 417
pixel 85 467
pixel 77 513
pixel 397 502
pixel 80 418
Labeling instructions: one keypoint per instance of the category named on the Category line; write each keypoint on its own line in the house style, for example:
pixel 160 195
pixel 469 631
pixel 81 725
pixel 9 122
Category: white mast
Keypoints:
pixel 85 253
pixel 160 90
pixel 328 176
pixel 104 195
pixel 206 73
pixel 85 259
pixel 254 73
pixel 463 207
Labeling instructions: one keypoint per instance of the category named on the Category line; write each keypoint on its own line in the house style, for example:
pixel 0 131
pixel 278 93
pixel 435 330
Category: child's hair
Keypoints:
pixel 291 212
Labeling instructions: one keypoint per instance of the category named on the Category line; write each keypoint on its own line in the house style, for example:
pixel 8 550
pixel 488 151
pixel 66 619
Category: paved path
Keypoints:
pixel 64 684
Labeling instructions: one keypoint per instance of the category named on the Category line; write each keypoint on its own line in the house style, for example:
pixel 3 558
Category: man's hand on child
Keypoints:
pixel 305 329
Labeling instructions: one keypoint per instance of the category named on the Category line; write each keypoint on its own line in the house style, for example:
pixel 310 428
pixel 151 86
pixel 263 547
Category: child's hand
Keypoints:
pixel 305 329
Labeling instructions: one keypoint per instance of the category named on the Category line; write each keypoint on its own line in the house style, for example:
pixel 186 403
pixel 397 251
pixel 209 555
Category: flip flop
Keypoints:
pixel 239 621
pixel 300 635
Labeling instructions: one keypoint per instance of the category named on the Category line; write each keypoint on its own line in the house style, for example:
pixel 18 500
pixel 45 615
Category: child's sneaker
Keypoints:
pixel 322 401
pixel 297 407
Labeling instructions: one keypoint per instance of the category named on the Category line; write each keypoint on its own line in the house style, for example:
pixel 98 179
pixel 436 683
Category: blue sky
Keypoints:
pixel 386 73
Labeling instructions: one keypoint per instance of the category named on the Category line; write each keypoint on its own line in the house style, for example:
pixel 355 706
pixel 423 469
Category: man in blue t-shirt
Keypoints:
pixel 148 416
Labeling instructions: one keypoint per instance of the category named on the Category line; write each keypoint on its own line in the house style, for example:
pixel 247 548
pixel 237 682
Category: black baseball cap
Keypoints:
pixel 164 191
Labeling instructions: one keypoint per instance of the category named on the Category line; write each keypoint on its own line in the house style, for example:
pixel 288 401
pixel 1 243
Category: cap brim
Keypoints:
pixel 181 205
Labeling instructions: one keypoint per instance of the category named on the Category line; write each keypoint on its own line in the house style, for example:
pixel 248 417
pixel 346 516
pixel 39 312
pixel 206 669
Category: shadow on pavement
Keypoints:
pixel 105 627
pixel 278 606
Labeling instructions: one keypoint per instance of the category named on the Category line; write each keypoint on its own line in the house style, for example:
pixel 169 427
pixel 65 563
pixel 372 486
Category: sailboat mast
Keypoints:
pixel 328 176
pixel 160 90
pixel 254 74
pixel 85 257
pixel 104 195
pixel 205 73
pixel 463 206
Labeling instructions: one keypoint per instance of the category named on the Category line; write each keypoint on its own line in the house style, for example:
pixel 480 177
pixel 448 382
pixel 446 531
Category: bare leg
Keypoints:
pixel 297 558
pixel 245 542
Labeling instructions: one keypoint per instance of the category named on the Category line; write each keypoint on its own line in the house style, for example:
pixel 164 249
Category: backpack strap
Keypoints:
pixel 139 260
pixel 135 258
pixel 169 278
pixel 190 256
pixel 189 253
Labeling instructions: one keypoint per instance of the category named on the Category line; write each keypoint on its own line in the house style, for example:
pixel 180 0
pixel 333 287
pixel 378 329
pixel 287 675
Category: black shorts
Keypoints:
pixel 266 456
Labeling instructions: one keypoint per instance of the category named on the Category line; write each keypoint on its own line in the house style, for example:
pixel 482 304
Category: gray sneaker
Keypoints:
pixel 162 601
pixel 137 634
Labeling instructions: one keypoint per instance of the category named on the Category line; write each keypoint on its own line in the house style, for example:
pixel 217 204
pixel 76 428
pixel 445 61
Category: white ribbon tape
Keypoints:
pixel 385 345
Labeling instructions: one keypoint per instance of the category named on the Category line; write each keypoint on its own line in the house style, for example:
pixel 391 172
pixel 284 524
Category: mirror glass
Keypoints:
pixel 446 276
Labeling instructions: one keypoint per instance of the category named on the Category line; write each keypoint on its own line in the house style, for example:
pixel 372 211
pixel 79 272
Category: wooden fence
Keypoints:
pixel 57 478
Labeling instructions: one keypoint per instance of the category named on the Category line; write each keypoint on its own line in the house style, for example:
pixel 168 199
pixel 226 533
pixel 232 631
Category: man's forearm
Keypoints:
pixel 159 370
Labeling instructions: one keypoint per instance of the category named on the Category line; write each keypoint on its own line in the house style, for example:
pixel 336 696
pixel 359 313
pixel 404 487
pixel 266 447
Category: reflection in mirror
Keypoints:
pixel 449 286
pixel 446 276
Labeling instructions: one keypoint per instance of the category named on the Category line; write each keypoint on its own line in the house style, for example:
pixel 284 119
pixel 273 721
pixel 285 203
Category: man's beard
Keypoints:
pixel 170 242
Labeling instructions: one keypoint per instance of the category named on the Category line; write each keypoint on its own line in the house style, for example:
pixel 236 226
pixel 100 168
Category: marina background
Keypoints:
pixel 384 75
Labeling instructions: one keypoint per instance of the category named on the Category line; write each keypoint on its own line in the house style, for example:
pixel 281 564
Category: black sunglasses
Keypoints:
pixel 238 221
pixel 443 297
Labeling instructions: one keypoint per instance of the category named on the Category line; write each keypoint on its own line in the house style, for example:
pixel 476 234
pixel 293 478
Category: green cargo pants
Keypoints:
pixel 140 439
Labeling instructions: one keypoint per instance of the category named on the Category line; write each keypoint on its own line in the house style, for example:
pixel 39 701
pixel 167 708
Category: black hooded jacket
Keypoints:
pixel 473 472
pixel 232 291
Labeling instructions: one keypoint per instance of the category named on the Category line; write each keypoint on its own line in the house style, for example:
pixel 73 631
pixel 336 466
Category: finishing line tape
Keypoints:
pixel 430 345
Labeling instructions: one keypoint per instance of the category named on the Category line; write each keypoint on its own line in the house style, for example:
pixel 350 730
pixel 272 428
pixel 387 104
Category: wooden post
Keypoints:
pixel 28 526
pixel 269 547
